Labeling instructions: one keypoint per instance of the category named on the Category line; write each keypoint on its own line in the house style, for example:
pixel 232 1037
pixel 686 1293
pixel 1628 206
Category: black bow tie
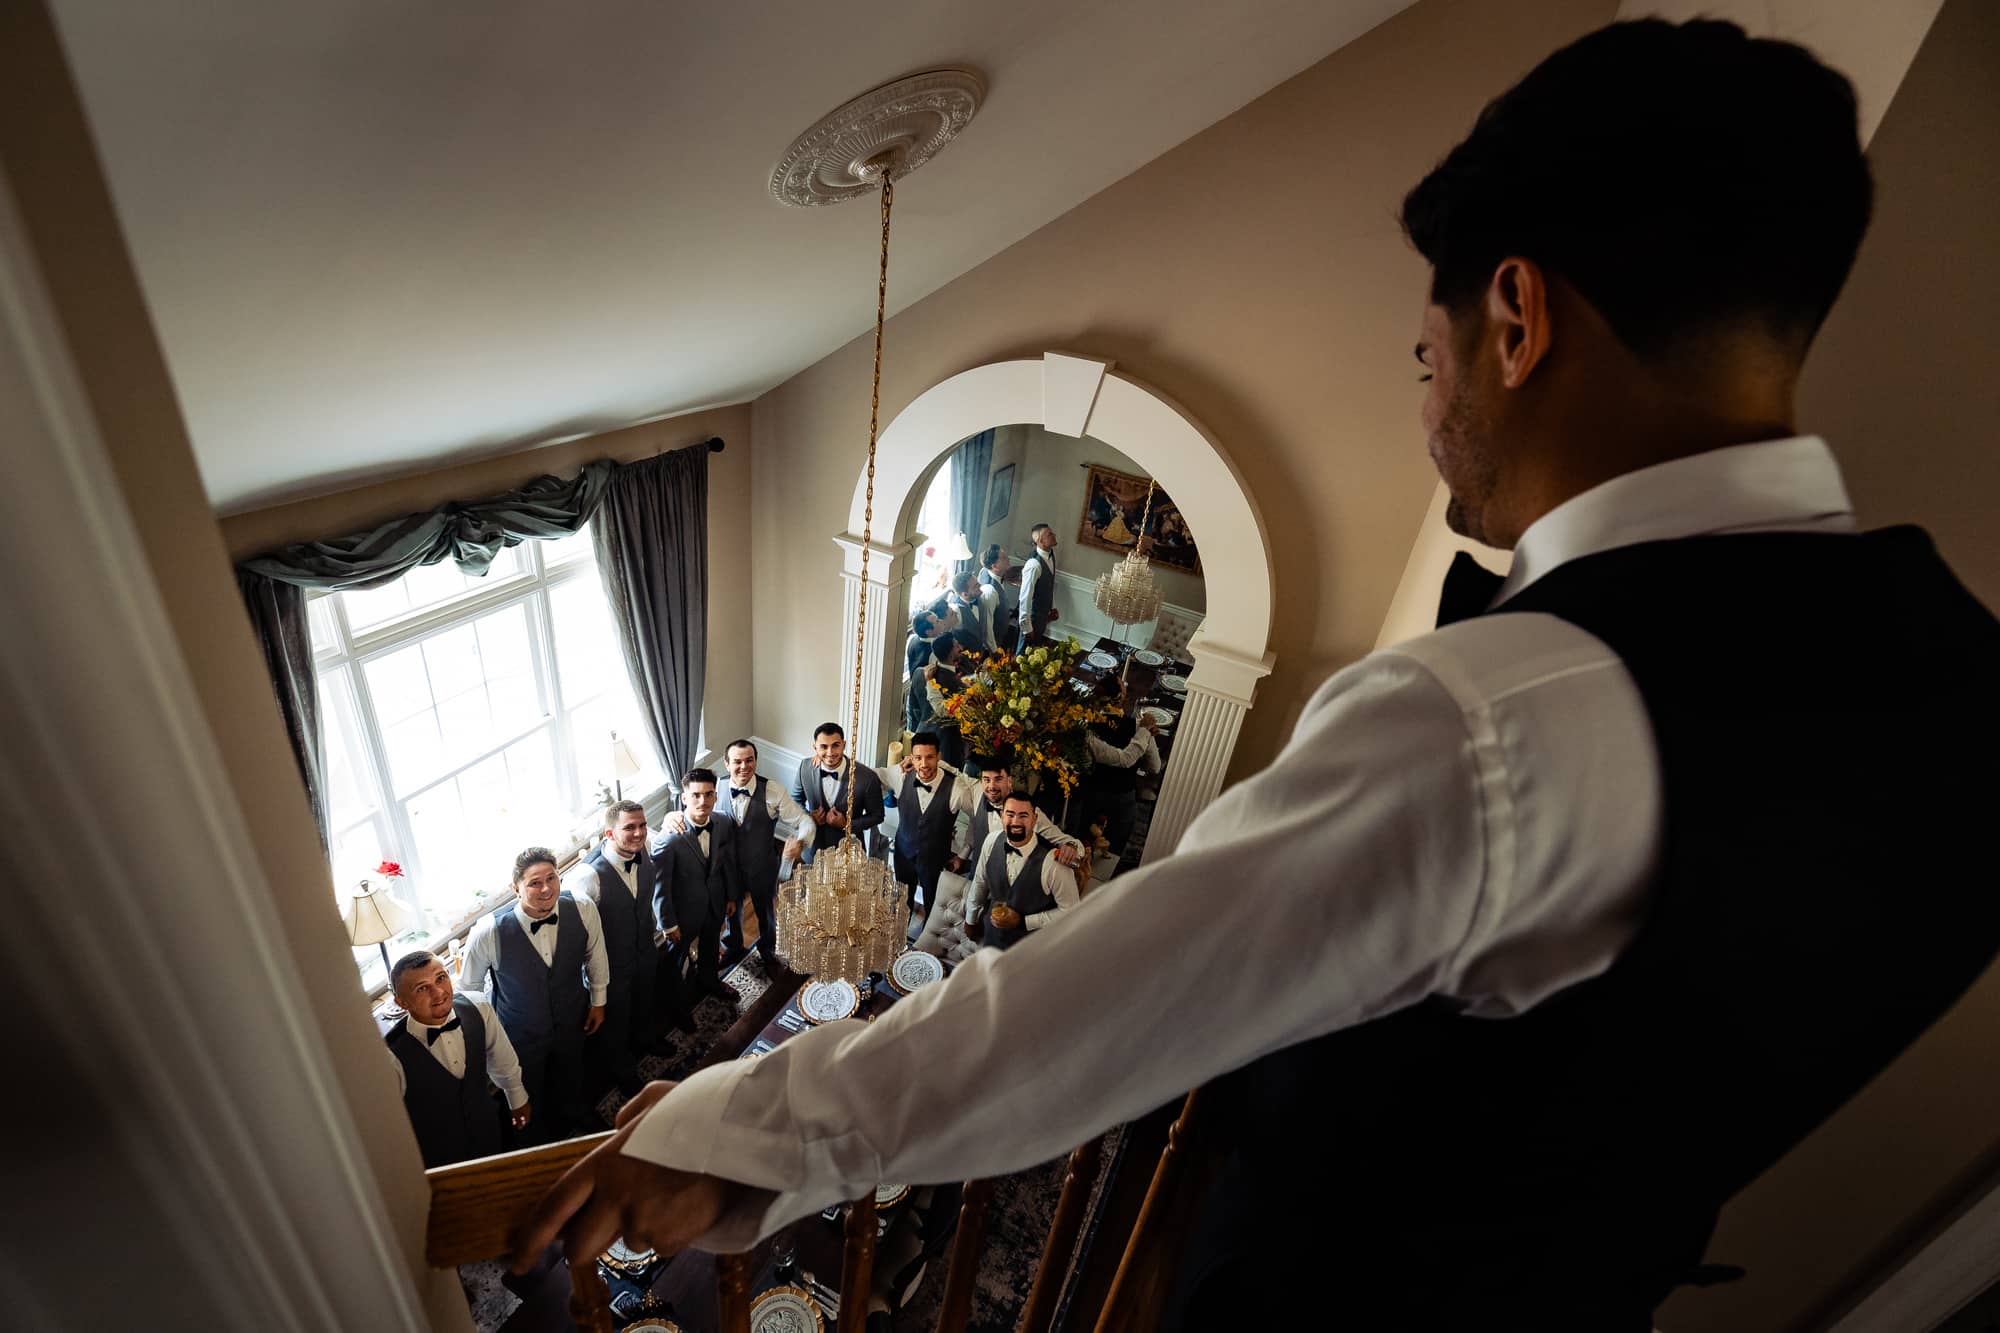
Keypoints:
pixel 925 786
pixel 1012 850
pixel 629 864
pixel 1469 588
pixel 735 792
pixel 548 920
pixel 431 1035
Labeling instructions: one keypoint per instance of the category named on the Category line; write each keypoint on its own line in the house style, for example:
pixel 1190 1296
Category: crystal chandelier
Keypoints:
pixel 1128 594
pixel 844 915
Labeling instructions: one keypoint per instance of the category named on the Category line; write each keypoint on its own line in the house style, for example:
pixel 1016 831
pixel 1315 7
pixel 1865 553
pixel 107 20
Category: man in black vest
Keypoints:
pixel 699 883
pixel 541 958
pixel 1018 884
pixel 821 787
pixel 928 804
pixel 1554 928
pixel 451 1053
pixel 984 797
pixel 1038 586
pixel 617 875
pixel 762 813
pixel 997 597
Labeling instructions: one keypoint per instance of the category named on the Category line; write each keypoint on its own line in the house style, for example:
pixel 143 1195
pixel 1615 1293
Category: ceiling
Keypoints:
pixel 376 237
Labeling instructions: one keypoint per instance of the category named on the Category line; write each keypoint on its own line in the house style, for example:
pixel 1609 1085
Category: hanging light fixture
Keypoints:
pixel 844 915
pixel 1128 594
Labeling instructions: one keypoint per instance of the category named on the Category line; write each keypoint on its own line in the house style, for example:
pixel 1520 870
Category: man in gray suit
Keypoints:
pixel 821 787
pixel 698 880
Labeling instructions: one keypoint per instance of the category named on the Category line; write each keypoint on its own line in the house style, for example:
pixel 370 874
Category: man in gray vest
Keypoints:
pixel 821 787
pixel 541 958
pixel 699 881
pixel 984 797
pixel 762 812
pixel 928 804
pixel 617 875
pixel 450 1054
pixel 1038 586
pixel 997 596
pixel 1017 885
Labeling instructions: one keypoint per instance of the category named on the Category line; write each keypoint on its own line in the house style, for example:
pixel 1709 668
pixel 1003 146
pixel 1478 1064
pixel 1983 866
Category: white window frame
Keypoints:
pixel 531 588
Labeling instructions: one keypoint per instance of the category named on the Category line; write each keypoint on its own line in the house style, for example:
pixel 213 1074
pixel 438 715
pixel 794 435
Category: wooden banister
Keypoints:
pixel 1061 1244
pixel 732 1291
pixel 474 1205
pixel 857 1264
pixel 1139 1293
pixel 956 1307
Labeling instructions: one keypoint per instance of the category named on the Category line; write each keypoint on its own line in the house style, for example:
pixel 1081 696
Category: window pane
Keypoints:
pixel 469 827
pixel 349 789
pixel 455 695
pixel 567 550
pixel 319 625
pixel 422 588
pixel 590 729
pixel 588 656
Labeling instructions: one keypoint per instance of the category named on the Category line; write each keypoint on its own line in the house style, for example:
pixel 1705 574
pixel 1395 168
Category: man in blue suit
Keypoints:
pixel 697 881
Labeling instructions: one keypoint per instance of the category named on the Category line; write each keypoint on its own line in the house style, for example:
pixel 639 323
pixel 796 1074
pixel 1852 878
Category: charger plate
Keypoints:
pixel 826 1001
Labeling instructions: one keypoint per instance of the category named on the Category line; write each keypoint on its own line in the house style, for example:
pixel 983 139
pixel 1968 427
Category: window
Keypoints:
pixel 466 718
pixel 937 522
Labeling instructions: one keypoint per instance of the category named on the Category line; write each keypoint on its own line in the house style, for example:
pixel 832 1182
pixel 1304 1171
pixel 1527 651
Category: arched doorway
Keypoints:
pixel 1074 395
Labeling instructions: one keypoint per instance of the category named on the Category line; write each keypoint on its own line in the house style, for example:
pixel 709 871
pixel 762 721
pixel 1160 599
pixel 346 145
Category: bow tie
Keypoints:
pixel 431 1035
pixel 548 920
pixel 925 786
pixel 629 864
pixel 1012 850
pixel 735 792
pixel 1469 588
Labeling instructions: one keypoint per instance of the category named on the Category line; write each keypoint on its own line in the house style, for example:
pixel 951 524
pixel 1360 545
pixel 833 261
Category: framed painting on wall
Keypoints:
pixel 1114 504
pixel 1000 495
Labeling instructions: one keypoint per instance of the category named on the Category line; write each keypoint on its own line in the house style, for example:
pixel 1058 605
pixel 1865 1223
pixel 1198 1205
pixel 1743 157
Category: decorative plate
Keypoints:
pixel 1147 657
pixel 653 1326
pixel 1156 715
pixel 915 968
pixel 625 1259
pixel 825 1001
pixel 888 1196
pixel 1177 684
pixel 785 1310
pixel 1101 660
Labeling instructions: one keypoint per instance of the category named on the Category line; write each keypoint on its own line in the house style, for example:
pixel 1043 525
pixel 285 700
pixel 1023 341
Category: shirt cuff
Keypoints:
pixel 516 1098
pixel 597 994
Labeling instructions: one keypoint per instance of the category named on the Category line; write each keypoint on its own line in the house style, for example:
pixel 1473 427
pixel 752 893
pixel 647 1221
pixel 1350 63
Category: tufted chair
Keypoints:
pixel 1171 635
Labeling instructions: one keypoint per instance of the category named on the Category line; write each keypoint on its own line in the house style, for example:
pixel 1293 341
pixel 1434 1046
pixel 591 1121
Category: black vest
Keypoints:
pixel 538 1003
pixel 1825 894
pixel 626 918
pixel 1109 779
pixel 925 834
pixel 1037 616
pixel 1025 895
pixel 756 840
pixel 454 1118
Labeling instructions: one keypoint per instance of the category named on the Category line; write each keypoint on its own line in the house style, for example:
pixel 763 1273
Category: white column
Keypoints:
pixel 1219 692
pixel 882 642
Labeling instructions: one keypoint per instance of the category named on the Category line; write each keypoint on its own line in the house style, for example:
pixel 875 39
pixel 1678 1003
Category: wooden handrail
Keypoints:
pixel 474 1205
pixel 857 1264
pixel 732 1291
pixel 1040 1310
pixel 1138 1293
pixel 956 1306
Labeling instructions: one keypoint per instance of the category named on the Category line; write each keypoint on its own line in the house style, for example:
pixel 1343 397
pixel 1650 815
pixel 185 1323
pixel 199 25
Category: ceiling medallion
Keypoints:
pixel 897 127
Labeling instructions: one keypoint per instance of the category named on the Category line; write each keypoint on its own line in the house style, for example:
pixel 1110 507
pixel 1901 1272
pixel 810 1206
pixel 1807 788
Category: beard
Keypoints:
pixel 1462 449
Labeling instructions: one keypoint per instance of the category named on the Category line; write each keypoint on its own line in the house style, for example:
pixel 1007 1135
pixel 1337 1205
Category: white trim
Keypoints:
pixel 1069 391
pixel 777 762
pixel 1961 1263
pixel 1083 590
pixel 225 1139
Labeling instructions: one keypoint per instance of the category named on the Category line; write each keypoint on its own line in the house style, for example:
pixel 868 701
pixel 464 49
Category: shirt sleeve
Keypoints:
pixel 1359 855
pixel 1060 881
pixel 1150 762
pixel 582 882
pixel 402 1079
pixel 786 811
pixel 595 965
pixel 481 956
pixel 1104 753
pixel 502 1065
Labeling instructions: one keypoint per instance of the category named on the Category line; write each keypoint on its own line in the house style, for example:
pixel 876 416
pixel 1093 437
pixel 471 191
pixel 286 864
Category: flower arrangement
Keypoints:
pixel 1025 708
pixel 391 869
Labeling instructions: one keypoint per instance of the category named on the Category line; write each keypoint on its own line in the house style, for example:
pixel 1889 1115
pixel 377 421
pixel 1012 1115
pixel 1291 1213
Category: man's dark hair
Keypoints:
pixel 991 556
pixel 828 729
pixel 746 744
pixel 969 579
pixel 985 763
pixel 696 776
pixel 1037 530
pixel 929 738
pixel 406 963
pixel 1684 178
pixel 618 809
pixel 533 856
pixel 1020 796
pixel 922 622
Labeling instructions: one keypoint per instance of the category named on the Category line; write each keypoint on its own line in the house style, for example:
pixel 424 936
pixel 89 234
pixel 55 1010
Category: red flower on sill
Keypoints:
pixel 390 868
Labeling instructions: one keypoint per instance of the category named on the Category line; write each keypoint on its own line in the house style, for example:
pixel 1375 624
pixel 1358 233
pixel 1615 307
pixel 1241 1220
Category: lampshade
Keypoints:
pixel 956 549
pixel 623 763
pixel 372 916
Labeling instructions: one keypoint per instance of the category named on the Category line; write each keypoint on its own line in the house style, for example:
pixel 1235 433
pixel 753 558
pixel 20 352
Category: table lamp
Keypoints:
pixel 956 550
pixel 624 764
pixel 373 917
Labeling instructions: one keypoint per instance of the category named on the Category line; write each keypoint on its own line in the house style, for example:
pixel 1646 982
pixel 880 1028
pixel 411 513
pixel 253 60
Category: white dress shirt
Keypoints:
pixel 1474 813
pixel 1142 751
pixel 965 794
pixel 1031 574
pixel 482 946
pixel 778 804
pixel 502 1065
pixel 1057 879
pixel 582 880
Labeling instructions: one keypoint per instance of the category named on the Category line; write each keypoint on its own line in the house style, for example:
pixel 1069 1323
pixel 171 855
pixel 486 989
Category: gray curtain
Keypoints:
pixel 969 467
pixel 278 613
pixel 471 534
pixel 652 552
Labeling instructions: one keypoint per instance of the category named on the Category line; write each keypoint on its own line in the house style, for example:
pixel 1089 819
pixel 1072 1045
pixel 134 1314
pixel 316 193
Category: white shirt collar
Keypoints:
pixel 420 1030
pixel 521 912
pixel 618 858
pixel 1772 485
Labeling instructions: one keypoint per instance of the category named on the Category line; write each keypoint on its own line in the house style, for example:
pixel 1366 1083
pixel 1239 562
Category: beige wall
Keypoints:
pixel 1255 274
pixel 726 704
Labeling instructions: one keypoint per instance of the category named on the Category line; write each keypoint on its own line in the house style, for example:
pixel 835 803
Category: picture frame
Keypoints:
pixel 1114 504
pixel 1000 495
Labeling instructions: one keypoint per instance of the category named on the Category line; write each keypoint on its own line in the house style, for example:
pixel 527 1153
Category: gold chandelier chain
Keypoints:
pixel 868 510
pixel 1147 516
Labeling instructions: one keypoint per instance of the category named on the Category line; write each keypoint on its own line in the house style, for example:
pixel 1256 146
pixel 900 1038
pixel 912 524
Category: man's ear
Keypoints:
pixel 1518 319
